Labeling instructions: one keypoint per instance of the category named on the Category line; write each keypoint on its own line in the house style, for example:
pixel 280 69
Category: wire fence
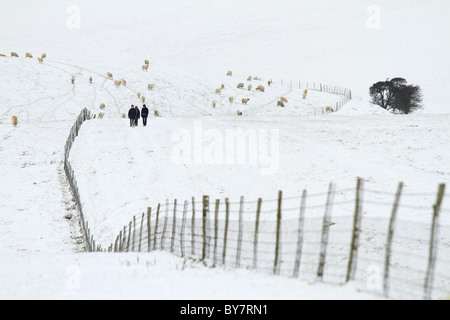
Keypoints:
pixel 70 174
pixel 392 244
pixel 336 237
pixel 344 93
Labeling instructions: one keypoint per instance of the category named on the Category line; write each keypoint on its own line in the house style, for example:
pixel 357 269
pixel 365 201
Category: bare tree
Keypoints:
pixel 396 95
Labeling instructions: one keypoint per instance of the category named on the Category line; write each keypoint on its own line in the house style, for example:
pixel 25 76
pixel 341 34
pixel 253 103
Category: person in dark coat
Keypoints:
pixel 144 114
pixel 132 116
pixel 138 115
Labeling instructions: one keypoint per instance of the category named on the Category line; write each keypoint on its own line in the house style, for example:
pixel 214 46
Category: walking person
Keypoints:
pixel 132 116
pixel 137 116
pixel 144 114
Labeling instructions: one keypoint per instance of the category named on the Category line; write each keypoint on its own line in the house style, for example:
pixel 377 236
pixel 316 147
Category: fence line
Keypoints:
pixel 70 174
pixel 313 245
pixel 345 93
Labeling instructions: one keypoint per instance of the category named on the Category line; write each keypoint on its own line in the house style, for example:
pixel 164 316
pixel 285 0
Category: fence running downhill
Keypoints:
pixel 366 240
pixel 70 175
pixel 290 237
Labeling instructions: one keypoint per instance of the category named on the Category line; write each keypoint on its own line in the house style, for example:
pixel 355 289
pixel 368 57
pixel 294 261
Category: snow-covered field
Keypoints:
pixel 191 45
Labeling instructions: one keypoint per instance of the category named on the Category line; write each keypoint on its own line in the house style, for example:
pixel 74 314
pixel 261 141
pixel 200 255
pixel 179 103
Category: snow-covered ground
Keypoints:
pixel 191 45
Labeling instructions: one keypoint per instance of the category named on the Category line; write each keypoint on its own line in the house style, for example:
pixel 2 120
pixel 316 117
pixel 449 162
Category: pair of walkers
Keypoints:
pixel 134 114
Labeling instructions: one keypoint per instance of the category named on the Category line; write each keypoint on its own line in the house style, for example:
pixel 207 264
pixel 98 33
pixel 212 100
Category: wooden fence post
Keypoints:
pixel 124 239
pixel 216 230
pixel 240 233
pixel 225 231
pixel 325 232
pixel 129 238
pixel 428 288
pixel 255 243
pixel 356 232
pixel 205 214
pixel 120 242
pixel 193 228
pixel 155 239
pixel 134 233
pixel 140 233
pixel 174 226
pixel 276 263
pixel 166 218
pixel 149 228
pixel 301 224
pixel 183 227
pixel 390 237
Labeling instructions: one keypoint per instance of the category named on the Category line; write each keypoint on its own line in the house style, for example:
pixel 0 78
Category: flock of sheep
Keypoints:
pixel 27 55
pixel 14 119
pixel 281 103
pixel 109 75
pixel 122 82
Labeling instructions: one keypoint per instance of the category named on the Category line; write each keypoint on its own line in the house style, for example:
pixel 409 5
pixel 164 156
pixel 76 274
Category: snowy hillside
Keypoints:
pixel 183 152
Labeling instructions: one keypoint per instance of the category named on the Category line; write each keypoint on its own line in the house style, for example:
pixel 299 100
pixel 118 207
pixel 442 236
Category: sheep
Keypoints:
pixel 2 55
pixel 269 83
pixel 40 60
pixel 102 106
pixel 13 54
pixel 28 55
pixel 72 80
pixel 123 116
pixel 143 99
pixel 213 104
pixel 145 67
pixel 218 91
pixel 15 121
pixel 229 73
pixel 305 93
pixel 329 109
pixel 117 83
pixel 139 95
pixel 280 104
pixel 245 101
pixel 146 62
pixel 222 86
pixel 90 80
pixel 284 99
pixel 151 86
pixel 231 99
pixel 240 85
pixel 249 78
pixel 124 82
pixel 44 55
pixel 156 113
pixel 109 74
pixel 261 88
pixel 239 113
pixel 101 115
pixel 250 87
